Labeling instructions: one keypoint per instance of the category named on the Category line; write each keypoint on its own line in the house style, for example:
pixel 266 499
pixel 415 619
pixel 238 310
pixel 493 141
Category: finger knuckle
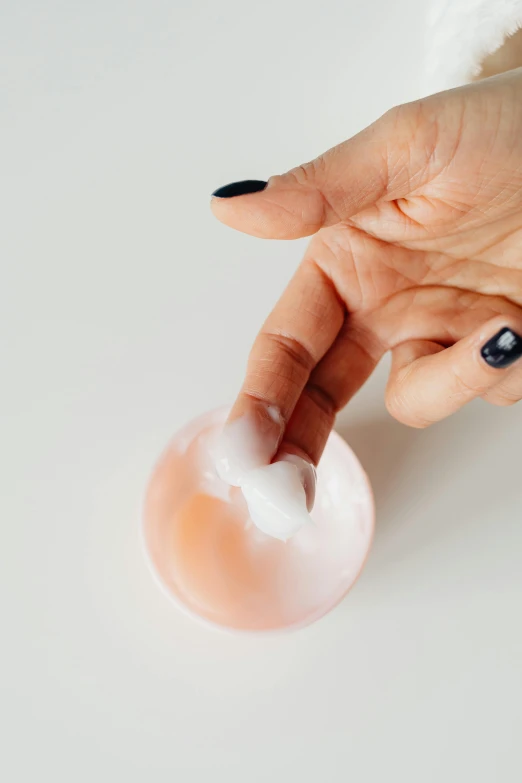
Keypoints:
pixel 401 409
pixel 322 399
pixel 308 173
pixel 295 352
pixel 391 117
pixel 469 388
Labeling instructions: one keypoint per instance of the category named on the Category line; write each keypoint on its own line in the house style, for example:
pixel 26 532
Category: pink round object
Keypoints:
pixel 219 568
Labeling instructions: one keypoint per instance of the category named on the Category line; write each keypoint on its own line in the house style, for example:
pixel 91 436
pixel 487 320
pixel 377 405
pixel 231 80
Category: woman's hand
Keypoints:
pixel 417 249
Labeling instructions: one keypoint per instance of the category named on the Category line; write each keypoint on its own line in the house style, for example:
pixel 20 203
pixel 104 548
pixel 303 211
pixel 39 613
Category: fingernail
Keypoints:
pixel 248 443
pixel 307 474
pixel 503 349
pixel 240 188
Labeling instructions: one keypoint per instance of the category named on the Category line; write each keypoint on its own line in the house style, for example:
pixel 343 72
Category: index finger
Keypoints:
pixel 293 339
pixel 296 335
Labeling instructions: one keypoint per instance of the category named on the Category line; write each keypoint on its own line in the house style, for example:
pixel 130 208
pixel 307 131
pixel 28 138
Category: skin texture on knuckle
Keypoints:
pixel 322 400
pixel 287 346
pixel 399 135
pixel 424 137
pixel 401 407
pixel 323 179
pixel 310 173
pixel 468 389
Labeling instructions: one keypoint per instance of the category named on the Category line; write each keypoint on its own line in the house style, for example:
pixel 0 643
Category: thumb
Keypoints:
pixel 374 164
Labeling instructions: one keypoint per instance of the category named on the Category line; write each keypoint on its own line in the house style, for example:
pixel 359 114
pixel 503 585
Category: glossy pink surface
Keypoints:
pixel 219 567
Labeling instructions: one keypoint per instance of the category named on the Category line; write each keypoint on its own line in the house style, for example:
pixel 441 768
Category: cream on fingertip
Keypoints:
pixel 248 442
pixel 279 494
pixel 276 499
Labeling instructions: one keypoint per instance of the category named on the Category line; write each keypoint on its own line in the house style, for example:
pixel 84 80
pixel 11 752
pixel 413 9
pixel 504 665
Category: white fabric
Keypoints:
pixel 461 33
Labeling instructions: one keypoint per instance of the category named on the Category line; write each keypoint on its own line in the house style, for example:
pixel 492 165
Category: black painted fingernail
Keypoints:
pixel 240 188
pixel 503 349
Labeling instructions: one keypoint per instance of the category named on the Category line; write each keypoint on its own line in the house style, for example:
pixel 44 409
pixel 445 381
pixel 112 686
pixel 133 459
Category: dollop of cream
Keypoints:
pixel 280 494
pixel 276 499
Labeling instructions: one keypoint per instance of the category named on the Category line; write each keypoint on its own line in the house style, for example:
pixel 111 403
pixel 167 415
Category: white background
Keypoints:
pixel 126 310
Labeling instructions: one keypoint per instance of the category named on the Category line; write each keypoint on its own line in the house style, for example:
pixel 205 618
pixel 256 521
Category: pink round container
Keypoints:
pixel 220 569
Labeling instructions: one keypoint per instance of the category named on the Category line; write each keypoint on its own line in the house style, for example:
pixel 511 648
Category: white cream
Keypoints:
pixel 247 443
pixel 279 495
pixel 276 499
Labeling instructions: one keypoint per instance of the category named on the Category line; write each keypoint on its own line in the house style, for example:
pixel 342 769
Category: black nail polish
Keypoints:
pixel 503 349
pixel 240 188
